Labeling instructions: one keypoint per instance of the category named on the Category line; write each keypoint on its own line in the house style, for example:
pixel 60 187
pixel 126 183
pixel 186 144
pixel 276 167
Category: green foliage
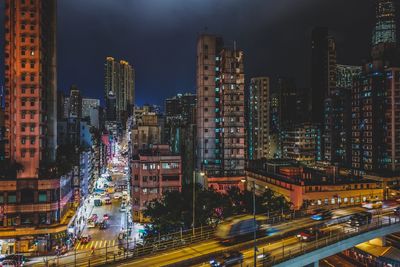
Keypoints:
pixel 174 210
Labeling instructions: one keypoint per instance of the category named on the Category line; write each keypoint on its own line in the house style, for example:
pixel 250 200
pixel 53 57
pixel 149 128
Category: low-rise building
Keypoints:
pixel 154 172
pixel 316 186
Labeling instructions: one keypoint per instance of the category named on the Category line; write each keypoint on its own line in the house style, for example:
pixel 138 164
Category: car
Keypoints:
pixel 106 217
pixel 103 225
pixel 18 259
pixel 321 214
pixel 227 259
pixel 85 239
pixel 374 204
pixel 310 234
pixel 117 195
pixel 9 263
pixel 97 202
pixel 396 211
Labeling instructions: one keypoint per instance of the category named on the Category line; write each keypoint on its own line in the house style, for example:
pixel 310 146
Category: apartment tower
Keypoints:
pixel 220 111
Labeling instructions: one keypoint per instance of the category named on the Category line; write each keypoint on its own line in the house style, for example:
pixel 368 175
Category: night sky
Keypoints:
pixel 158 37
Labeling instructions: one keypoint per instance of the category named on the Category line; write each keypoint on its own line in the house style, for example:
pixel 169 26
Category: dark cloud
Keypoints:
pixel 158 38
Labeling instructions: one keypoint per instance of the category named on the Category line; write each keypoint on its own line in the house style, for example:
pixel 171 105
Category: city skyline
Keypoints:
pixel 146 52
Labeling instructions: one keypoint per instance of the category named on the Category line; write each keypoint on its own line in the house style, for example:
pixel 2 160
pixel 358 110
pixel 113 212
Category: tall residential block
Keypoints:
pixel 258 118
pixel 33 192
pixel 375 112
pixel 220 109
pixel 384 31
pixel 30 84
pixel 323 70
pixel 119 83
pixel 346 75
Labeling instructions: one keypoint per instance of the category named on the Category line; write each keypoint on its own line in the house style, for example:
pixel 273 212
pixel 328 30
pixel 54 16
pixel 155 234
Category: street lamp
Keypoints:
pixel 194 198
pixel 254 220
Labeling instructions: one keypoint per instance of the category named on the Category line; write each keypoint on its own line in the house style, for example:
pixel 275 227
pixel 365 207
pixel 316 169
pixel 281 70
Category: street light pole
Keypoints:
pixel 194 199
pixel 254 224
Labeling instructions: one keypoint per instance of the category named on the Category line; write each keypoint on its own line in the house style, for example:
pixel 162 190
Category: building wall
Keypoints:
pixel 152 176
pixel 317 195
pixel 29 69
pixel 258 119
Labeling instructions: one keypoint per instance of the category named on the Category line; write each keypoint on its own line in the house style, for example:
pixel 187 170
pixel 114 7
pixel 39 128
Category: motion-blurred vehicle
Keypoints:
pixel 9 263
pixel 359 219
pixel 227 259
pixel 396 211
pixel 321 215
pixel 241 228
pixel 310 234
pixel 17 259
pixel 372 204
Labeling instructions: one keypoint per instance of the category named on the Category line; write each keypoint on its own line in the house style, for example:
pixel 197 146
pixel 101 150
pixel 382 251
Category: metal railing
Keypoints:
pixel 281 254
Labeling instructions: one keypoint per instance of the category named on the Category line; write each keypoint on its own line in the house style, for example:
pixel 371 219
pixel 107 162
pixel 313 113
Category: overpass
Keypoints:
pixel 283 246
pixel 312 252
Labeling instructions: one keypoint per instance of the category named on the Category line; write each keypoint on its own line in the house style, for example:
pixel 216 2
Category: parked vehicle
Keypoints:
pixel 17 259
pixel 9 263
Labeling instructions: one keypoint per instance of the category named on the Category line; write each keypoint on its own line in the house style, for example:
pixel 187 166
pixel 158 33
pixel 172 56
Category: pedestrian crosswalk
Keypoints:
pixel 96 244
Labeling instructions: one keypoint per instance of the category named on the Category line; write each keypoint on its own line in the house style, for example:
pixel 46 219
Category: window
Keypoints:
pixel 32 89
pixel 145 179
pixel 206 67
pixel 1 198
pixel 42 196
pixel 32 64
pixel 136 177
pixel 32 102
pixel 170 165
pixel 32 153
pixel 23 127
pixel 32 77
pixel 170 177
pixel 23 140
pixel 32 128
pixel 32 140
pixel 12 198
pixel 23 112
pixel 32 114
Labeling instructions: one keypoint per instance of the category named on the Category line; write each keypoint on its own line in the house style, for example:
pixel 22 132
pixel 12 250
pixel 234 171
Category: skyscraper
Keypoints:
pixel 375 115
pixel 32 188
pixel 384 31
pixel 30 84
pixel 75 103
pixel 258 118
pixel 323 70
pixel 119 82
pixel 346 74
pixel 220 109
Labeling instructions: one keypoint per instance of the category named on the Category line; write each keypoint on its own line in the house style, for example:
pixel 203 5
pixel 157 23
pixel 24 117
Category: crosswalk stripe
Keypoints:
pixel 96 244
pixel 101 243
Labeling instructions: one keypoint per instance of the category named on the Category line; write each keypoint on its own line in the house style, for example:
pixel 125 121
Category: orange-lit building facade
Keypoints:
pixel 308 187
pixel 154 172
pixel 34 196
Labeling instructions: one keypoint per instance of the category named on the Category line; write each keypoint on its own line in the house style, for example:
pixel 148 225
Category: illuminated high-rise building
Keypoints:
pixel 385 24
pixel 34 193
pixel 346 74
pixel 258 118
pixel 220 112
pixel 119 82
pixel 30 84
